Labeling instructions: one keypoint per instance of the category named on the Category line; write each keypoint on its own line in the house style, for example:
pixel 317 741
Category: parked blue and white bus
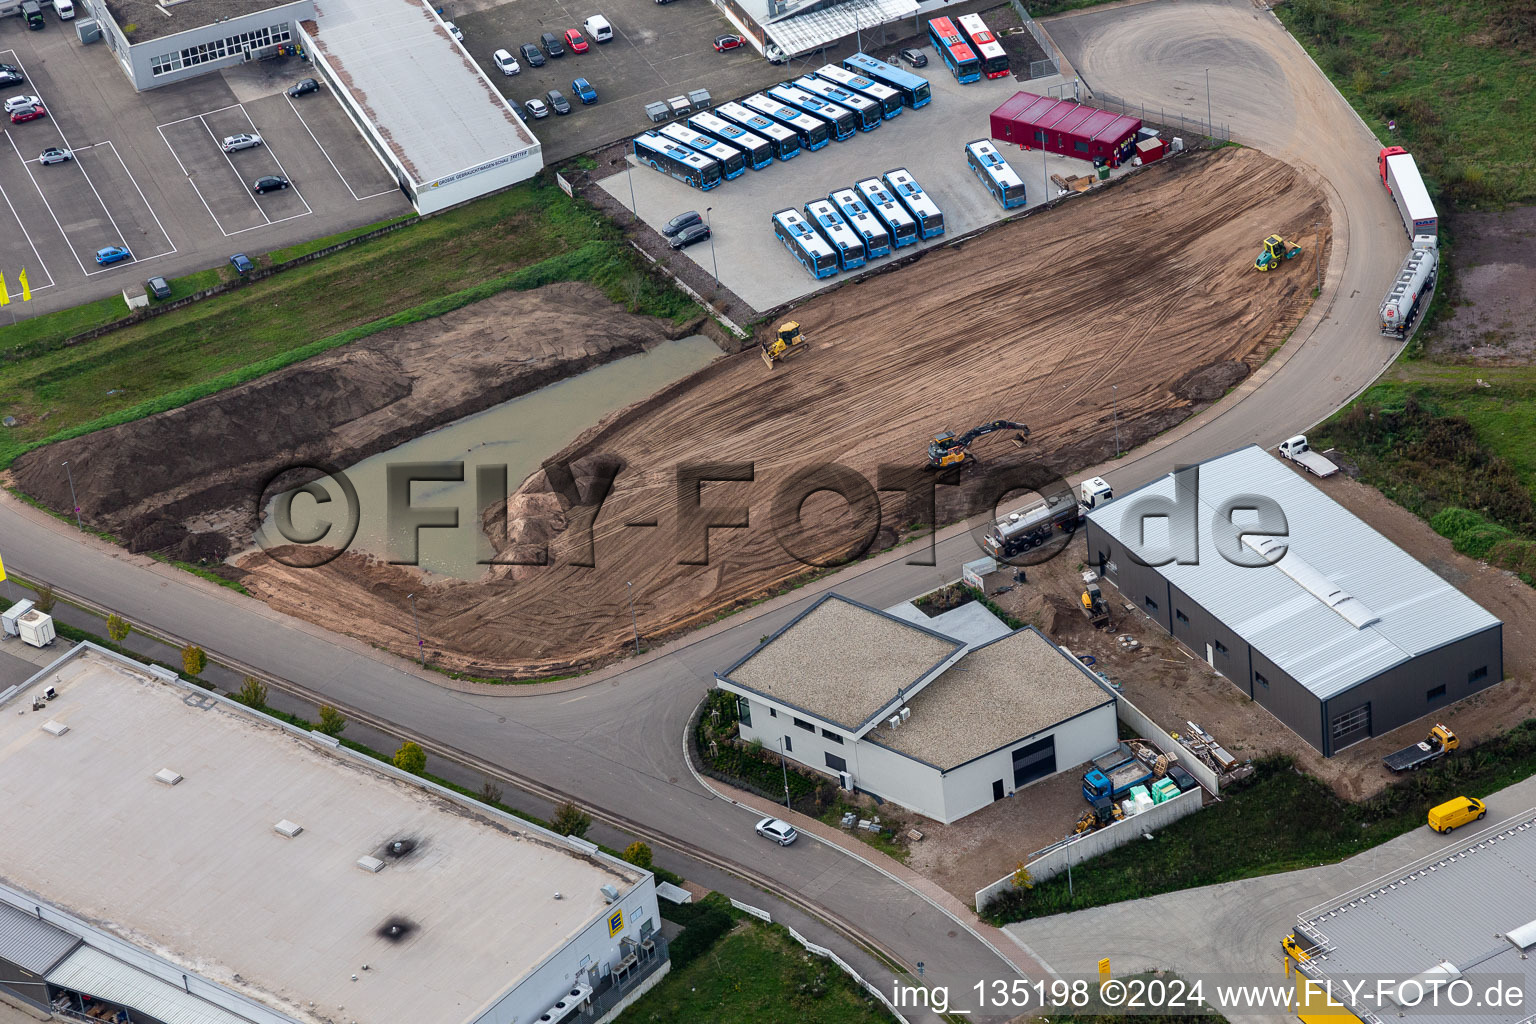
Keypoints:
pixel 842 120
pixel 759 150
pixel 930 219
pixel 888 211
pixel 785 141
pixel 865 110
pixel 914 89
pixel 684 164
pixel 888 98
pixel 846 241
pixel 804 244
pixel 877 240
pixel 733 161
pixel 813 131
pixel 1001 180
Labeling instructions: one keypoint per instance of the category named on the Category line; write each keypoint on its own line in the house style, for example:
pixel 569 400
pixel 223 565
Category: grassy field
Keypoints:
pixel 756 973
pixel 522 238
pixel 1454 74
pixel 1278 820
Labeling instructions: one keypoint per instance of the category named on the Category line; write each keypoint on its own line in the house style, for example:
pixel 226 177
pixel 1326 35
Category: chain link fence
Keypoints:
pixel 1038 68
pixel 1178 124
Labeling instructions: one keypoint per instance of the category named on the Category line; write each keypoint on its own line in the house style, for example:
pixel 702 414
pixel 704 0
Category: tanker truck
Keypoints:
pixel 1414 284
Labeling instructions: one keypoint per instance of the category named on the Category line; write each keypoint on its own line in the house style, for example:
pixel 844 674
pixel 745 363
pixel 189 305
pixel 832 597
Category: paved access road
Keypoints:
pixel 617 742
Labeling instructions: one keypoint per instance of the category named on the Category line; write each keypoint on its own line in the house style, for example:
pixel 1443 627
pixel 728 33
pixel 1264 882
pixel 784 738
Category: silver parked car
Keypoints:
pixel 781 832
pixel 245 140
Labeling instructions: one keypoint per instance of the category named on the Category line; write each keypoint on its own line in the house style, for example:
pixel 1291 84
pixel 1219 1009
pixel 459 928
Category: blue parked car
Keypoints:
pixel 584 91
pixel 112 254
pixel 242 263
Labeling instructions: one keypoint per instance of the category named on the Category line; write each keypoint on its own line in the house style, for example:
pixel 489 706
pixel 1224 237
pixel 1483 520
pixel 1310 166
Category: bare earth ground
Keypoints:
pixel 1495 303
pixel 1172 687
pixel 203 467
pixel 1137 287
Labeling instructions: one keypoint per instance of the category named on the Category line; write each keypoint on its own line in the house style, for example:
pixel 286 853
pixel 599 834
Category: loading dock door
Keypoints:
pixel 1350 726
pixel 1034 761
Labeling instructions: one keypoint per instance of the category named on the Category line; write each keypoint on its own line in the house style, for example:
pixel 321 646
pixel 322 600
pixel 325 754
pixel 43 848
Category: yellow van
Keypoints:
pixel 1454 813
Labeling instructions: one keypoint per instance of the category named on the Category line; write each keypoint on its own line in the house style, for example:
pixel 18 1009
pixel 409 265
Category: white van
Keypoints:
pixel 598 29
pixel 65 9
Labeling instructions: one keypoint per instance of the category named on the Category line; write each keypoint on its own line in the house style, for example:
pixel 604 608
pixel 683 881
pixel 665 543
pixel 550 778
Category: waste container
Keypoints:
pixel 1103 173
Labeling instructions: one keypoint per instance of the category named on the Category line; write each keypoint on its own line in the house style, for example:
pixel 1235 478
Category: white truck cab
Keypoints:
pixel 1297 450
pixel 1094 492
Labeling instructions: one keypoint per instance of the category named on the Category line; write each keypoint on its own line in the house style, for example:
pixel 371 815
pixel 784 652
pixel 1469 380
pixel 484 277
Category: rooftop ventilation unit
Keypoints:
pixel 1523 937
pixel 370 864
pixel 906 713
pixel 893 721
pixel 54 728
pixel 1308 578
pixel 167 776
pixel 610 893
pixel 580 845
pixel 288 828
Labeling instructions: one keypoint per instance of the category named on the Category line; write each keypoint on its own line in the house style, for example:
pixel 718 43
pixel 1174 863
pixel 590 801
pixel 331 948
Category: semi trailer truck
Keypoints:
pixel 1400 174
pixel 1411 289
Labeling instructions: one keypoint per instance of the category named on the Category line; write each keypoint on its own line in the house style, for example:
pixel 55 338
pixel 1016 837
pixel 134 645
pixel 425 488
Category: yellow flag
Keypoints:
pixel 2 568
pixel 5 294
pixel 26 291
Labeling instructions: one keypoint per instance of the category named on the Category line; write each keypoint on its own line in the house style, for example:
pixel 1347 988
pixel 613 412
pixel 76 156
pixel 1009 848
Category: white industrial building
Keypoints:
pixel 431 116
pixel 170 855
pixel 941 724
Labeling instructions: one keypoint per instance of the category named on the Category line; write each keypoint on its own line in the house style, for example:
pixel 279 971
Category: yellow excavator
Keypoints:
pixel 950 449
pixel 788 341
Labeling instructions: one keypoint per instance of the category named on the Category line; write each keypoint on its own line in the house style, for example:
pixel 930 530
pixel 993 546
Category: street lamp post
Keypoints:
pixel 629 174
pixel 712 258
pixel 784 766
pixel 421 648
pixel 634 623
pixel 1114 394
pixel 72 499
pixel 1210 128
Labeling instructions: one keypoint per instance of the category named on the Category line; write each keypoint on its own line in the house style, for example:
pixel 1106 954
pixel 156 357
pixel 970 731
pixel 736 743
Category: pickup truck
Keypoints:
pixel 1297 451
pixel 1438 743
pixel 1113 774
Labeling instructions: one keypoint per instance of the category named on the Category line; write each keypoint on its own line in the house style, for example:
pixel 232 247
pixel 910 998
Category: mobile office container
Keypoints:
pixel 1065 127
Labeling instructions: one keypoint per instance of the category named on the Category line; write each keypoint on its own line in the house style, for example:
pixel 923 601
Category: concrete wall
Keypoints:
pixel 1138 720
pixel 900 779
pixel 1091 844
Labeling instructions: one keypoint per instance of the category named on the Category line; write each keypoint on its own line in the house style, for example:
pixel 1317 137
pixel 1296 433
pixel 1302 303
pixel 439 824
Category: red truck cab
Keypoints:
pixel 1381 164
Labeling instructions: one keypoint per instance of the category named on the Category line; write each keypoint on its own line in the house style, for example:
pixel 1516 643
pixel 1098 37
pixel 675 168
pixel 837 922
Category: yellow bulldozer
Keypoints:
pixel 785 343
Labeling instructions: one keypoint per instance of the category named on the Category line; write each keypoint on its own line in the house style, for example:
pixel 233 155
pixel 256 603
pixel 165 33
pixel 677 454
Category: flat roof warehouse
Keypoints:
pixel 423 100
pixel 200 874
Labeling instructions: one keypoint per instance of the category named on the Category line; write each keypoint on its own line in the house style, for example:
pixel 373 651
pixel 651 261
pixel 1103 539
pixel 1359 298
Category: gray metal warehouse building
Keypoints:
pixel 1341 636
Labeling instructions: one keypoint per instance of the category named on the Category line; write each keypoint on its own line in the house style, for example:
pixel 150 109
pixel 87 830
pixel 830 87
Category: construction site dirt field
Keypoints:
pixel 1148 287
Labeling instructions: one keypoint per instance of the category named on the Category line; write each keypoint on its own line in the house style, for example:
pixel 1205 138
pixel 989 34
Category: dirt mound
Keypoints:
pixel 1136 286
pixel 1209 383
pixel 211 459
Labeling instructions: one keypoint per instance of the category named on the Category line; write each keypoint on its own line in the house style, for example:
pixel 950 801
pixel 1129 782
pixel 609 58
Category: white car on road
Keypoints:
pixel 16 103
pixel 781 832
pixel 505 62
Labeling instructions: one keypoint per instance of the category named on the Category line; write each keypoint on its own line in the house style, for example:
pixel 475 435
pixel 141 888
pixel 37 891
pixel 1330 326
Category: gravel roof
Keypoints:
pixel 842 661
pixel 151 21
pixel 1000 692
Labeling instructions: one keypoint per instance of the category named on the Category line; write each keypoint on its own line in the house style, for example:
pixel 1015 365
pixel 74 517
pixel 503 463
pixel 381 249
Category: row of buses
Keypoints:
pixel 854 225
pixel 968 48
pixel 836 102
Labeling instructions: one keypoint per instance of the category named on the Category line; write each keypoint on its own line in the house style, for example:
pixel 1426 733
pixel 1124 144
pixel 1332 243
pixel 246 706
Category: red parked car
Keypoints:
pixel 31 113
pixel 574 41
pixel 723 43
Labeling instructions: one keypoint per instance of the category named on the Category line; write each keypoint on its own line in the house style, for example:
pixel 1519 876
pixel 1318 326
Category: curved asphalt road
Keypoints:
pixel 616 743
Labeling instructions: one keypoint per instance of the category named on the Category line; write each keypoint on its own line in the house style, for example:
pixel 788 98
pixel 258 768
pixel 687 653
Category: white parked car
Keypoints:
pixel 505 62
pixel 536 108
pixel 781 832
pixel 245 140
pixel 16 103
pixel 453 30
pixel 55 155
pixel 65 9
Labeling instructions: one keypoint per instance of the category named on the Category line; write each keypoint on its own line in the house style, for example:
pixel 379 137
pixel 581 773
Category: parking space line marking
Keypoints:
pixel 70 245
pixel 175 156
pixel 232 168
pixel 147 205
pixel 31 244
pixel 280 169
pixel 323 151
pixel 191 117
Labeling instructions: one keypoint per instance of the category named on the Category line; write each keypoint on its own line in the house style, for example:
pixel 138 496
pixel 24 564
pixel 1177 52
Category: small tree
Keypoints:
pixel 490 793
pixel 411 758
pixel 118 628
pixel 571 820
pixel 638 854
pixel 331 720
pixel 253 693
pixel 46 599
pixel 194 659
pixel 1022 879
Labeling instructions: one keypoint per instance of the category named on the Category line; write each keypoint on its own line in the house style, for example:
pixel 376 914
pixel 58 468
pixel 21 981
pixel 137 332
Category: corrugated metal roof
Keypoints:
pixel 1318 645
pixel 799 33
pixel 31 944
pixel 96 974
pixel 1454 906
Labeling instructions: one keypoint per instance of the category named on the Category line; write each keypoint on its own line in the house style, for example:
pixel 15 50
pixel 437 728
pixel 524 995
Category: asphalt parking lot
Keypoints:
pixel 149 173
pixel 657 51
pixel 929 142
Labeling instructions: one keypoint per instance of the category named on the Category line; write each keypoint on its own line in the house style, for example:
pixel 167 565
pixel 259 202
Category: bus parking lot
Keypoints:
pixel 148 173
pixel 929 142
